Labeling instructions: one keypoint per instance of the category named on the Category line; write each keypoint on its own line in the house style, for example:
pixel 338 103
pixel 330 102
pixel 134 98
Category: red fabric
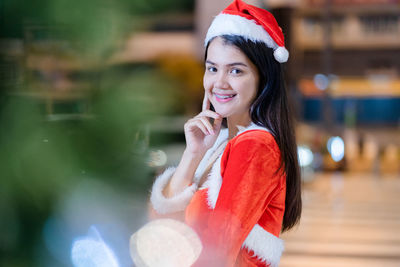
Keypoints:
pixel 251 192
pixel 260 16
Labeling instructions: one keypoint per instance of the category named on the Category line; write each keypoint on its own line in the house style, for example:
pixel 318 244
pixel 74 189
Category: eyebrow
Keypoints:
pixel 231 64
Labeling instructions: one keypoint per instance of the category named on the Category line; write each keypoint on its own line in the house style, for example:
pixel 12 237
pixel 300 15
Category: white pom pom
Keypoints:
pixel 281 54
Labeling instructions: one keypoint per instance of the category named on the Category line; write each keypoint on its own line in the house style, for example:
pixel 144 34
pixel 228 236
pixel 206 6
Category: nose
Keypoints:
pixel 221 81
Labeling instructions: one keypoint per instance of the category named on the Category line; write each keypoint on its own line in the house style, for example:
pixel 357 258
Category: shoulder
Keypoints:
pixel 254 133
pixel 252 144
pixel 255 147
pixel 255 137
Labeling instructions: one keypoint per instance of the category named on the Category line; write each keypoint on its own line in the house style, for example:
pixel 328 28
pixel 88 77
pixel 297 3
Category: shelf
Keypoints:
pixel 307 10
pixel 343 44
pixel 354 87
pixel 154 44
pixel 54 95
pixel 348 32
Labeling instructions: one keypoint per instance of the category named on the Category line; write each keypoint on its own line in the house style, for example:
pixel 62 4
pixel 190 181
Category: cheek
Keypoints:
pixel 251 88
pixel 246 88
pixel 207 83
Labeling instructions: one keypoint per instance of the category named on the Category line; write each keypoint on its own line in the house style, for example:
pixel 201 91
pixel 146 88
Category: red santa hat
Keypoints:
pixel 252 23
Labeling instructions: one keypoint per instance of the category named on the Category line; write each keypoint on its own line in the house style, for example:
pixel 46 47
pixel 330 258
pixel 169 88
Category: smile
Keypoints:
pixel 224 98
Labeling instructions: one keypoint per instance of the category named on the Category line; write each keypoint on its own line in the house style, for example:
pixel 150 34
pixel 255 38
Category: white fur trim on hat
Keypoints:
pixel 266 247
pixel 176 203
pixel 227 24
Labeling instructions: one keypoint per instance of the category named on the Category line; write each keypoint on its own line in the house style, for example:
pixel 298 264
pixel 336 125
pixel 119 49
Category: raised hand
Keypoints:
pixel 200 133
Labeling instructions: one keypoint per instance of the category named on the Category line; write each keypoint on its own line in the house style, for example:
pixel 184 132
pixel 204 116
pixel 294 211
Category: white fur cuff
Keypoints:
pixel 176 203
pixel 266 247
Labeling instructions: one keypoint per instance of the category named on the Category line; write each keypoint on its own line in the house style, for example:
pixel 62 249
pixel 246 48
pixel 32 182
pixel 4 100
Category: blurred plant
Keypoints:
pixel 42 159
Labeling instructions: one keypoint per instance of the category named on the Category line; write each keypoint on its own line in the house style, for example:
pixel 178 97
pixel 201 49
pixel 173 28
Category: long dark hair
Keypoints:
pixel 271 110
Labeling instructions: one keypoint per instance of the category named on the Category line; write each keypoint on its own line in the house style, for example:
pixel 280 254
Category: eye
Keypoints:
pixel 236 71
pixel 212 69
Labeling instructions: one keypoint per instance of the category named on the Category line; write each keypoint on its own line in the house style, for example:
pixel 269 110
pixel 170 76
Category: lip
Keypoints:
pixel 223 100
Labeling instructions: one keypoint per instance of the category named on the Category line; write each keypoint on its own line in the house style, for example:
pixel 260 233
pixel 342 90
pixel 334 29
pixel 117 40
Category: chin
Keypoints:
pixel 223 113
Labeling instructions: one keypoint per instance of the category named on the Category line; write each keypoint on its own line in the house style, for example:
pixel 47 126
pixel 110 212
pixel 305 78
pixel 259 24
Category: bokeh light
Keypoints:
pixel 305 155
pixel 91 250
pixel 335 147
pixel 321 81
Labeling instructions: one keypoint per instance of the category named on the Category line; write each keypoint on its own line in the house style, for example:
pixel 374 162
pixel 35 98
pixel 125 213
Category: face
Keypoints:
pixel 230 79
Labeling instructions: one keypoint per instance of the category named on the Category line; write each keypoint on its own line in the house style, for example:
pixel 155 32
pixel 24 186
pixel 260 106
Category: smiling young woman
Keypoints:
pixel 239 187
pixel 230 82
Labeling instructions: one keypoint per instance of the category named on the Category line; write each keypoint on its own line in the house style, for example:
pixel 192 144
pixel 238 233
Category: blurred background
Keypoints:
pixel 94 95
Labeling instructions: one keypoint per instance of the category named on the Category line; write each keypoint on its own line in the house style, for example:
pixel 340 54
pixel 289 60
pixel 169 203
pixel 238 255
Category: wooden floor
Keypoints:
pixel 347 221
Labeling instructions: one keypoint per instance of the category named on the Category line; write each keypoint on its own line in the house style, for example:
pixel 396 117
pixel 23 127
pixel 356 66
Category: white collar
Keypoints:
pixel 224 133
pixel 251 126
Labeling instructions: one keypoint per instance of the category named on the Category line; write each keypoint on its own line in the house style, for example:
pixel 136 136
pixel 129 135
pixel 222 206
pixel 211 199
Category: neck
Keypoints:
pixel 237 120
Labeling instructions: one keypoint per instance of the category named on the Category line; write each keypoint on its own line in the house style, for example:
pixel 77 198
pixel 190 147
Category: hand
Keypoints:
pixel 200 134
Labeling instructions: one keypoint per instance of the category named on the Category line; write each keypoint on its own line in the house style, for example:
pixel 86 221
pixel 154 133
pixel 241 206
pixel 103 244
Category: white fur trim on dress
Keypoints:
pixel 214 179
pixel 222 136
pixel 176 203
pixel 213 183
pixel 227 24
pixel 266 247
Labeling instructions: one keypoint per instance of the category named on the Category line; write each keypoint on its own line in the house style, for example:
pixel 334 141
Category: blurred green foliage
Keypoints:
pixel 90 17
pixel 42 157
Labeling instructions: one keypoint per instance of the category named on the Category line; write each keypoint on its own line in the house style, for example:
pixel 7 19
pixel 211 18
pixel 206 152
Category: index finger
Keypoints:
pixel 206 102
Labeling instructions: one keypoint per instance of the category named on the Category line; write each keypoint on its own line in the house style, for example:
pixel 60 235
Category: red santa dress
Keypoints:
pixel 238 211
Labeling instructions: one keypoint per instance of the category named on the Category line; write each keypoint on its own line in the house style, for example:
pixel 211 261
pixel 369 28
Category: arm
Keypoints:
pixel 249 183
pixel 172 190
pixel 184 173
pixel 173 194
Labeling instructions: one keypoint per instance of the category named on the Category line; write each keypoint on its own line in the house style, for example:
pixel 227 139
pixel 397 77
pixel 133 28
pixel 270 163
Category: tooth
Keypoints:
pixel 224 96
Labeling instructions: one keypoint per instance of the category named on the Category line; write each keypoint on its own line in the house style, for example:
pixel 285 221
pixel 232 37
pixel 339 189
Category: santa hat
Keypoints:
pixel 252 23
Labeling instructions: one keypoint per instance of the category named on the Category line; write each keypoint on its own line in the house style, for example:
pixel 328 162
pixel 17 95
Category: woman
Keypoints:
pixel 238 186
